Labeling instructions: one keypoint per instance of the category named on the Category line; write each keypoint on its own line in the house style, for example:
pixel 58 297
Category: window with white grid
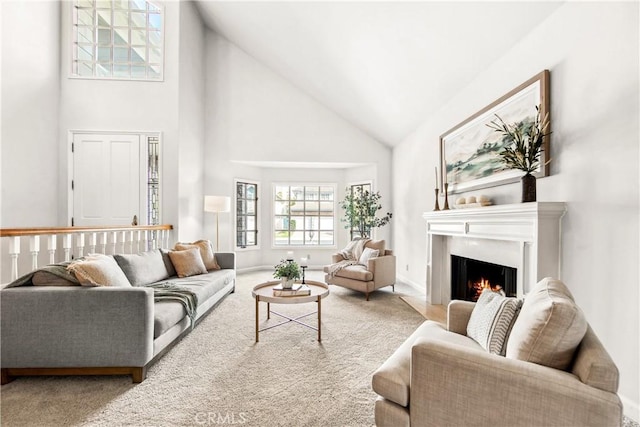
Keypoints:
pixel 118 39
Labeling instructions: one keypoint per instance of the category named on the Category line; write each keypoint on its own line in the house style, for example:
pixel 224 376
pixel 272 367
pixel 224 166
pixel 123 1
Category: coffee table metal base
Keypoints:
pixel 289 319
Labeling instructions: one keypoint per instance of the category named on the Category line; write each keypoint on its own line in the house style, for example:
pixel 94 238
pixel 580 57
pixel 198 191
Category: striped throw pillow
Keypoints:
pixel 492 319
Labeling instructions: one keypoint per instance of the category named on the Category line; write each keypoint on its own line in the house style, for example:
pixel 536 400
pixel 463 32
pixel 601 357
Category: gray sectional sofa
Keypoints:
pixel 55 328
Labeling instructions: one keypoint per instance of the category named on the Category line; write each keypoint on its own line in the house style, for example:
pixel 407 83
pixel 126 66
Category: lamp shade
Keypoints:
pixel 217 203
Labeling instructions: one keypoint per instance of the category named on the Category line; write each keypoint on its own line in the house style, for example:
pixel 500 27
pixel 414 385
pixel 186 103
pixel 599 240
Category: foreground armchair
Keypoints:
pixel 441 377
pixel 362 273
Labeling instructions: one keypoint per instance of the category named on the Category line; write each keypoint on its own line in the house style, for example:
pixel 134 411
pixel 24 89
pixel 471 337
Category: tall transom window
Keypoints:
pixel 118 39
pixel 304 215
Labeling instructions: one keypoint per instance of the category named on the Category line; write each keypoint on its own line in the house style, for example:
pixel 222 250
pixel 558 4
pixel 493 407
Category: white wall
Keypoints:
pixel 30 99
pixel 30 96
pixel 591 50
pixel 113 105
pixel 253 115
pixel 191 123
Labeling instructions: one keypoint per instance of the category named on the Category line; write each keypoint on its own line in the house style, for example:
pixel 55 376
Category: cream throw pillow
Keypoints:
pixel 491 320
pixel 188 262
pixel 206 252
pixel 98 270
pixel 549 328
pixel 367 254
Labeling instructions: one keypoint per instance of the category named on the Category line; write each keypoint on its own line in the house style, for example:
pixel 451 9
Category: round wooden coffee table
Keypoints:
pixel 264 292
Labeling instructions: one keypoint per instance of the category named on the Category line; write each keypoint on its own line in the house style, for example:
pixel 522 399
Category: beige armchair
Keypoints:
pixel 377 273
pixel 441 377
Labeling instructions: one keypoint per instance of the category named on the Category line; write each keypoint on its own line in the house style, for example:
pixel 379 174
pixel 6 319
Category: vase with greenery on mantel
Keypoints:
pixel 524 143
pixel 287 271
pixel 360 209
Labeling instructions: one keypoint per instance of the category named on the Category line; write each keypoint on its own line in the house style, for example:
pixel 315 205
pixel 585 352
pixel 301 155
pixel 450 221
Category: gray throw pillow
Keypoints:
pixel 492 319
pixel 167 262
pixel 143 268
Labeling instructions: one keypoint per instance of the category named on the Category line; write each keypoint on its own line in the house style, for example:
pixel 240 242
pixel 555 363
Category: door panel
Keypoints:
pixel 106 179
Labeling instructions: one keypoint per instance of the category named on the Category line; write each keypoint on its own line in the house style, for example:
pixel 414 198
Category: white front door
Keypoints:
pixel 106 179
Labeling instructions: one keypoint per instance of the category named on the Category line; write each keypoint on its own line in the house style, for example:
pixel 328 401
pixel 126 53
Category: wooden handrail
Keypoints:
pixel 34 231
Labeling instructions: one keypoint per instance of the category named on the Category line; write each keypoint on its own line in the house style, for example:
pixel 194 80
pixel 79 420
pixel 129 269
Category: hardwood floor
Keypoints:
pixel 437 313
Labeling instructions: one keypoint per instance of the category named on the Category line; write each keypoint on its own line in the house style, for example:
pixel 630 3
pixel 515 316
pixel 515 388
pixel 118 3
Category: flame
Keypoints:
pixel 483 284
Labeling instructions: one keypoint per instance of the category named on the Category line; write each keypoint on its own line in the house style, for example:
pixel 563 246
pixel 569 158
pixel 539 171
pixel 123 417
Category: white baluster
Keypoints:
pixel 138 239
pixel 103 240
pixel 34 248
pixel 52 243
pixel 93 240
pixel 130 241
pixel 66 245
pixel 144 235
pixel 80 244
pixel 122 240
pixel 14 251
pixel 113 237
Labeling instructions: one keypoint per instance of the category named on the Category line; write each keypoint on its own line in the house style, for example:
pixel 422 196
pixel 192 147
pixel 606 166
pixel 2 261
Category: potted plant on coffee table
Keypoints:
pixel 287 271
pixel 524 145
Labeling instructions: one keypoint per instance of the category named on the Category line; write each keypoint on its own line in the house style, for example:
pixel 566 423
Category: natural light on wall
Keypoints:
pixel 117 39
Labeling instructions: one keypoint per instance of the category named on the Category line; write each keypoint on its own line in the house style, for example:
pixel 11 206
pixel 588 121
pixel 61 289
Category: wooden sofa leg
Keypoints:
pixel 138 374
pixel 367 295
pixel 6 378
pixel 393 288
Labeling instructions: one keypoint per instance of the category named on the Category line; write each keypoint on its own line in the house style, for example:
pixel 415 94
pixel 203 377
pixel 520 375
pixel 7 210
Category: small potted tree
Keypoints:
pixel 287 271
pixel 360 209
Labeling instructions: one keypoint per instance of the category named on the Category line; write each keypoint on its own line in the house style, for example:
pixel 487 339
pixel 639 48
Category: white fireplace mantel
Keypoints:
pixel 526 236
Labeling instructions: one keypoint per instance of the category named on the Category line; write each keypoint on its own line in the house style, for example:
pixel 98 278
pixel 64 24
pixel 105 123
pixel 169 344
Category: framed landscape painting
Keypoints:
pixel 469 153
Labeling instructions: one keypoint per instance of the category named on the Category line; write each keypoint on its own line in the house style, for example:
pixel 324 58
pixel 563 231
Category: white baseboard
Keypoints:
pixel 417 286
pixel 631 409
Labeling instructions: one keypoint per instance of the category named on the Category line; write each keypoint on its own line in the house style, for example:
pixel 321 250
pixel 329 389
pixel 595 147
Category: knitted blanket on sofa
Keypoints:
pixel 351 254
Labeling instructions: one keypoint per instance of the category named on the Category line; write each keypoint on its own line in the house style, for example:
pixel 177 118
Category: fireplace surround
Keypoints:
pixel 524 236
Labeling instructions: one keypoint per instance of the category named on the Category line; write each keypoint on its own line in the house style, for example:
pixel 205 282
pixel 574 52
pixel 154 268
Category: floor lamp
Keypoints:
pixel 217 204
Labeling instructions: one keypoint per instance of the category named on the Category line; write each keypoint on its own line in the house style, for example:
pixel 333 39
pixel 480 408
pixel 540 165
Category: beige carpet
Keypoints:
pixel 218 375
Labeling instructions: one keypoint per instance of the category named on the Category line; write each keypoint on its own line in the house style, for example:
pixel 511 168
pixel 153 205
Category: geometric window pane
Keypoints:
pixel 84 53
pixel 85 69
pixel 85 17
pixel 104 69
pixel 121 18
pixel 85 34
pixel 120 54
pixel 139 37
pixel 138 54
pixel 155 38
pixel 155 21
pixel 138 72
pixel 104 17
pixel 104 54
pixel 138 20
pixel 155 55
pixel 154 71
pixel 304 215
pixel 104 36
pixel 119 39
pixel 121 70
pixel 138 4
pixel 246 211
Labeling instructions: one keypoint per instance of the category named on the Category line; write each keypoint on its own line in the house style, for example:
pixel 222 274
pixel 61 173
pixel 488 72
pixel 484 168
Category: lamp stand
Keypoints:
pixel 217 232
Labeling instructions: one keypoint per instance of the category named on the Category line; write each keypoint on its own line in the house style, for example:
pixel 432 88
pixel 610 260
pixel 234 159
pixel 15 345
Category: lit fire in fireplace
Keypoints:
pixel 483 284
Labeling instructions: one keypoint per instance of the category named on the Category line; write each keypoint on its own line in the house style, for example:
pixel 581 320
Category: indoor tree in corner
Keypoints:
pixel 360 208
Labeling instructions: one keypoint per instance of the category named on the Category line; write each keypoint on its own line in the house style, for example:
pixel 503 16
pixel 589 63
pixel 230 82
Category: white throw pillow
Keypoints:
pixel 368 253
pixel 492 319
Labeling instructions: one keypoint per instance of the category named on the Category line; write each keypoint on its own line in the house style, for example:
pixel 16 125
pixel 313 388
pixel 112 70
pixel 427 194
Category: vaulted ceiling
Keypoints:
pixel 382 66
